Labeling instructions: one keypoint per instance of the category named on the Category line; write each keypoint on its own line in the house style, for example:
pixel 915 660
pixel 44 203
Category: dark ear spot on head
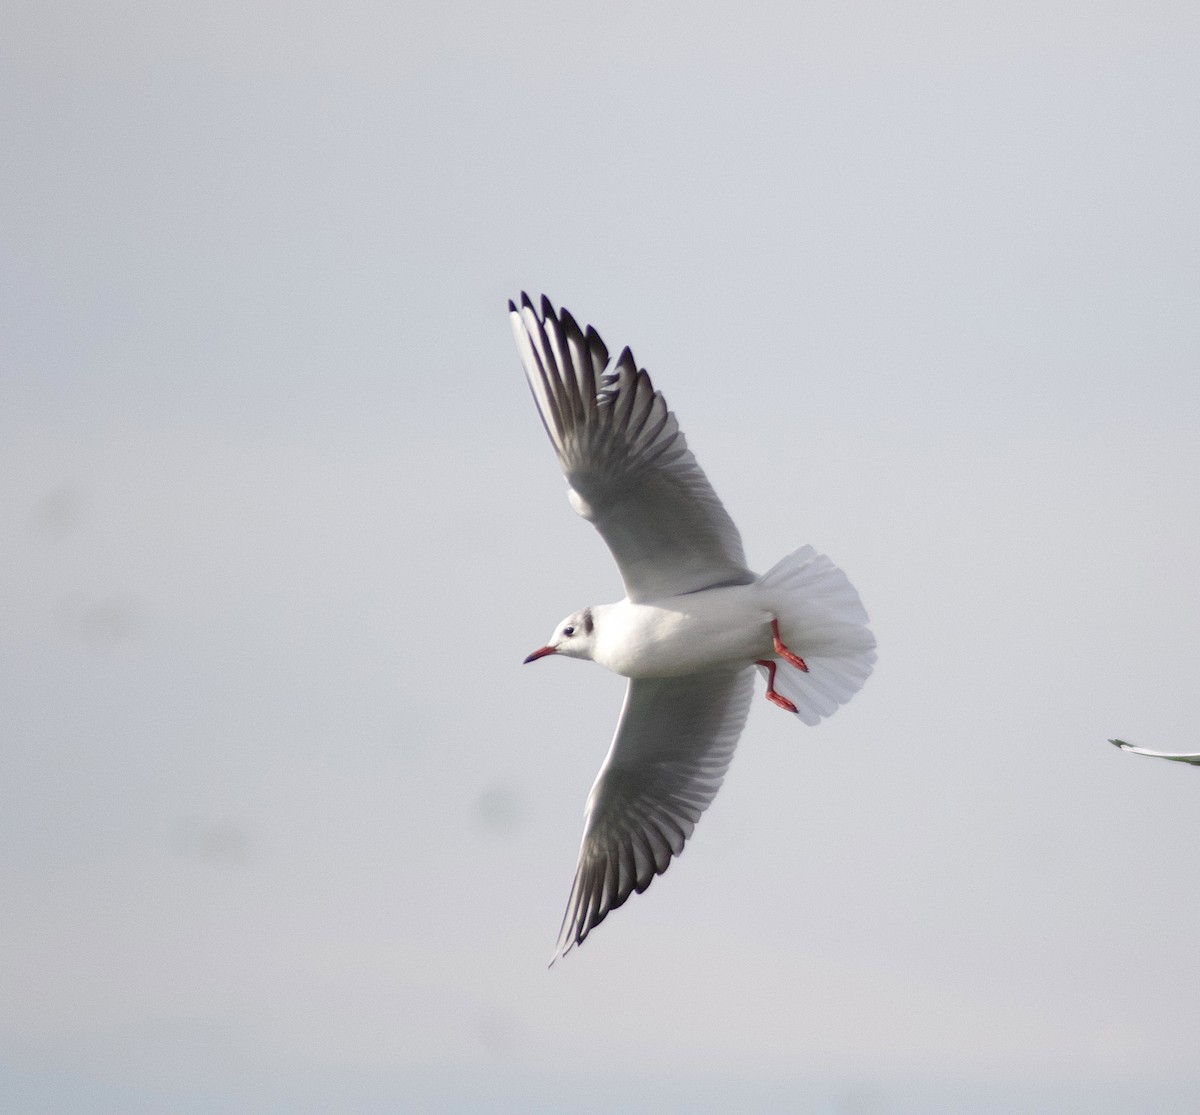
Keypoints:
pixel 588 625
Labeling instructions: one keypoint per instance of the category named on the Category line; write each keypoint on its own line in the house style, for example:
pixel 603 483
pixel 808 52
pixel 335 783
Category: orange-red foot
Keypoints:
pixel 772 696
pixel 784 653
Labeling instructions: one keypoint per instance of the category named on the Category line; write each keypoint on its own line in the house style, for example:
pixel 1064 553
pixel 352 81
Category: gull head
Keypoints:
pixel 574 637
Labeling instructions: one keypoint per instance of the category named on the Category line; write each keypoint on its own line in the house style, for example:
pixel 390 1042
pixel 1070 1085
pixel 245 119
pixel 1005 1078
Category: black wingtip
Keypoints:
pixel 598 348
pixel 511 308
pixel 626 359
pixel 547 309
pixel 525 303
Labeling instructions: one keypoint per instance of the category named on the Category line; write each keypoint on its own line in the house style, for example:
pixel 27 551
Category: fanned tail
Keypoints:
pixel 822 620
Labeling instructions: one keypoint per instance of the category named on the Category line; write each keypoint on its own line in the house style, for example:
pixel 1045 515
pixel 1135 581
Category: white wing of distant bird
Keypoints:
pixel 1174 756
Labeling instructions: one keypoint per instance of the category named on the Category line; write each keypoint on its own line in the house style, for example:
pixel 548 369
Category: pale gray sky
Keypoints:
pixel 286 824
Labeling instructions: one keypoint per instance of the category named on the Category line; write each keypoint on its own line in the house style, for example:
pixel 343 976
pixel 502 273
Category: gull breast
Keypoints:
pixel 683 634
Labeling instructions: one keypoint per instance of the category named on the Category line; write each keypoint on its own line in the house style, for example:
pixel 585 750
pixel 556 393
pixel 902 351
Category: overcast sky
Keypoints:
pixel 286 824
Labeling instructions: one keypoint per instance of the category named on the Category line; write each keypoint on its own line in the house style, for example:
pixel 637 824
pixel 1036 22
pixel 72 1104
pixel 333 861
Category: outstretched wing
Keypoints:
pixel 673 745
pixel 1172 755
pixel 628 466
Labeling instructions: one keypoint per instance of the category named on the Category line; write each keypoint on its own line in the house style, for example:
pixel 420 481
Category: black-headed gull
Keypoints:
pixel 694 623
pixel 1174 756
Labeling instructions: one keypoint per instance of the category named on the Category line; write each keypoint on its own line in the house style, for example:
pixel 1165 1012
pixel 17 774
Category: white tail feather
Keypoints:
pixel 822 620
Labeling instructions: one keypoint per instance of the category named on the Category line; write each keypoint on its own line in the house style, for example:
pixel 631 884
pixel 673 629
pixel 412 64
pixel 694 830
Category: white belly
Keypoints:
pixel 724 627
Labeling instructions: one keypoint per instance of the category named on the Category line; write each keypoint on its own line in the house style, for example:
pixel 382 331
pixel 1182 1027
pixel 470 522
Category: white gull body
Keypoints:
pixel 695 621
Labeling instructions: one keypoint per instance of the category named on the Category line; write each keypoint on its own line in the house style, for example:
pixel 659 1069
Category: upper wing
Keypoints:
pixel 673 745
pixel 628 466
pixel 1175 756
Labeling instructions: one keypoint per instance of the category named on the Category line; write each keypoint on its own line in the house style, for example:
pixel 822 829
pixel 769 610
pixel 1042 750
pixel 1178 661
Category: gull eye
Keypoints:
pixel 569 630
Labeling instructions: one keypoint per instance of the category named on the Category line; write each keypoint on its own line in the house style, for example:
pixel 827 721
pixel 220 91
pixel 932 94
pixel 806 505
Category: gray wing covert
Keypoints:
pixel 673 744
pixel 626 461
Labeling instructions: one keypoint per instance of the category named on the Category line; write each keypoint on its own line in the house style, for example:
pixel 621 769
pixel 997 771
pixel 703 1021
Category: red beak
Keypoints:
pixel 541 652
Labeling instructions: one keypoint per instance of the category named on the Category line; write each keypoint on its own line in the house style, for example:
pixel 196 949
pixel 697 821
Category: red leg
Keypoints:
pixel 784 653
pixel 772 696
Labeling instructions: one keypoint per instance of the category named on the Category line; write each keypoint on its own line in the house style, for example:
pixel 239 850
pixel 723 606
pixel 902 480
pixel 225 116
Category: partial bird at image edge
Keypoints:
pixel 1174 756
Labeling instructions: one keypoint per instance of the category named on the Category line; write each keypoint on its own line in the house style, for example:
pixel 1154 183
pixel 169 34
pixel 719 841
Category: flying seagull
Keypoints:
pixel 1172 755
pixel 695 621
